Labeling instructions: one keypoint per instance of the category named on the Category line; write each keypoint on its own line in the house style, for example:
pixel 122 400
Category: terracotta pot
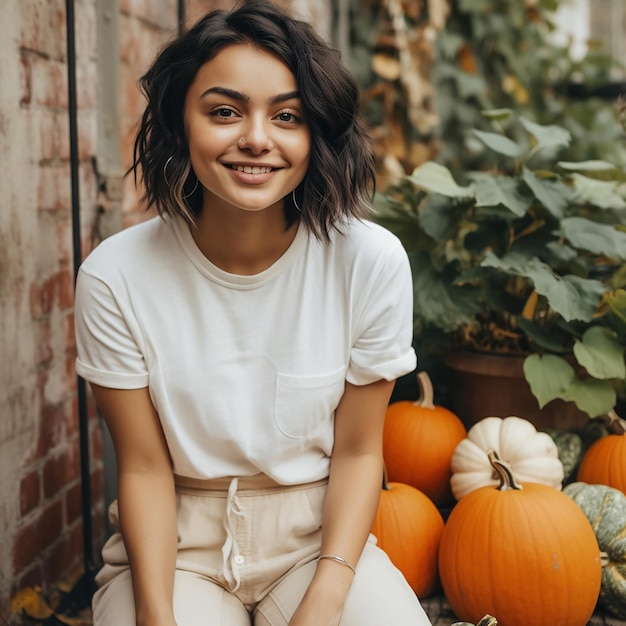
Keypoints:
pixel 483 385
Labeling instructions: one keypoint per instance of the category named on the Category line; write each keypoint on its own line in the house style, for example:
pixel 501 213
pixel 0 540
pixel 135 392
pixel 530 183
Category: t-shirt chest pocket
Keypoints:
pixel 305 403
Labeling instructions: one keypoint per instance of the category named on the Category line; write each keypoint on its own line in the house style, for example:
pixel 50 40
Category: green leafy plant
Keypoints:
pixel 428 70
pixel 522 260
pixel 495 53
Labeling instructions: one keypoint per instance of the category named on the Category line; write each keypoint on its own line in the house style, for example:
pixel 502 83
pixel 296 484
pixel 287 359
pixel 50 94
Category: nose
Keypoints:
pixel 257 136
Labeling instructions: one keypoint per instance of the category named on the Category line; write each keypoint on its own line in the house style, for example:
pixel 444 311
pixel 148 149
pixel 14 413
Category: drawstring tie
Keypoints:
pixel 230 549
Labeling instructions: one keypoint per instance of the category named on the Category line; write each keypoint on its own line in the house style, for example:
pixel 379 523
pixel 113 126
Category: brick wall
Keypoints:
pixel 39 452
pixel 40 482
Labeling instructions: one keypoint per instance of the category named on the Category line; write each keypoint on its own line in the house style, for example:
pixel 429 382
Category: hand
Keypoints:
pixel 323 601
pixel 315 613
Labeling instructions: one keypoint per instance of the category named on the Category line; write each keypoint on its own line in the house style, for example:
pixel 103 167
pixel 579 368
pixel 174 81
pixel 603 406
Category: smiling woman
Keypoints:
pixel 243 345
pixel 255 129
pixel 249 147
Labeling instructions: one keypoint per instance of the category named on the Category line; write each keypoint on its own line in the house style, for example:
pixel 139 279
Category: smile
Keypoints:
pixel 249 169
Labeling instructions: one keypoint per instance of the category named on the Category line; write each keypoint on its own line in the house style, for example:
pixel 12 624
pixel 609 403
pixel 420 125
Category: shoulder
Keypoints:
pixel 366 240
pixel 367 231
pixel 128 246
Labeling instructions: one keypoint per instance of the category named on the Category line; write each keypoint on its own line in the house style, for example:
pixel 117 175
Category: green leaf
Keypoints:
pixel 492 191
pixel 554 195
pixel 449 43
pixel 602 239
pixel 587 166
pixel 436 178
pixel 547 136
pixel 474 6
pixel 601 193
pixel 595 397
pixel 498 115
pixel 549 376
pixel 397 217
pixel 548 339
pixel 573 297
pixel 601 354
pixel 434 304
pixel 438 218
pixel 499 143
pixel 561 252
pixel 616 301
pixel 552 377
pixel 470 85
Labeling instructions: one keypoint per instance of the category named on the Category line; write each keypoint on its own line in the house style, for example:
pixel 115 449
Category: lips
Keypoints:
pixel 252 169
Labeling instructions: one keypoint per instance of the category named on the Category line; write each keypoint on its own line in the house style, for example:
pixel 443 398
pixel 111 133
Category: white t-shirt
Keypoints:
pixel 245 372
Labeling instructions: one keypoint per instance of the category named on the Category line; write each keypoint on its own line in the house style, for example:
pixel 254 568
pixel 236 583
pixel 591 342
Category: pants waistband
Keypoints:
pixel 245 484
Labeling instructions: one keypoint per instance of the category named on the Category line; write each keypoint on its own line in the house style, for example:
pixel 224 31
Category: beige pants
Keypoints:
pixel 247 551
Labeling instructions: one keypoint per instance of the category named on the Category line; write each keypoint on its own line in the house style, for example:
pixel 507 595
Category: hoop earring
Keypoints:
pixel 295 202
pixel 192 191
pixel 167 182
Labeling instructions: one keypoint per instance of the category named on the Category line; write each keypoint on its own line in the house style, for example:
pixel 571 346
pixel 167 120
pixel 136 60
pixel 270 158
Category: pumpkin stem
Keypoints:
pixel 616 423
pixel 427 395
pixel 503 470
pixel 604 559
pixel 488 620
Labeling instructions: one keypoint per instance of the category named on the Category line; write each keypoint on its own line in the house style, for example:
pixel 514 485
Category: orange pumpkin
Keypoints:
pixel 419 439
pixel 408 527
pixel 522 553
pixel 604 463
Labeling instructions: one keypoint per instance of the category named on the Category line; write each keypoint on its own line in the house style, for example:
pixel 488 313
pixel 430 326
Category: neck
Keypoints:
pixel 245 243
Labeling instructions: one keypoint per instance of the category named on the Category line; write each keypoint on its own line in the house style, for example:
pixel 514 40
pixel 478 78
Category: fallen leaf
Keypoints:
pixel 73 621
pixel 31 601
pixel 386 66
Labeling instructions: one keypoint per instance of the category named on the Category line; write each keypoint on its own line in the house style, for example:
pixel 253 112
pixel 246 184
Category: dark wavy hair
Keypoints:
pixel 340 179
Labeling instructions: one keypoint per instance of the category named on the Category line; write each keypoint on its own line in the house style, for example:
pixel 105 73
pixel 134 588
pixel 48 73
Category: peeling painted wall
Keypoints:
pixel 19 402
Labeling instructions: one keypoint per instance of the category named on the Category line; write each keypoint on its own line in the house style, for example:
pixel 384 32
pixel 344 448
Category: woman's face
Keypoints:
pixel 249 143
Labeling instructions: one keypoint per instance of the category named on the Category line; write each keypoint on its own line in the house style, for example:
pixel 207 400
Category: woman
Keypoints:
pixel 243 345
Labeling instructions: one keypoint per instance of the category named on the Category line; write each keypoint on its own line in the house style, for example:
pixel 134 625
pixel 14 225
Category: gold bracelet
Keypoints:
pixel 339 559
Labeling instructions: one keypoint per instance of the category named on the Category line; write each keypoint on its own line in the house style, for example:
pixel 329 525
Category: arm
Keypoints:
pixel 146 497
pixel 351 500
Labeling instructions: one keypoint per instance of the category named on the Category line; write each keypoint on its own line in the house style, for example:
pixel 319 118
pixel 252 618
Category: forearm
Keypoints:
pixel 147 507
pixel 351 503
pixel 349 508
pixel 356 470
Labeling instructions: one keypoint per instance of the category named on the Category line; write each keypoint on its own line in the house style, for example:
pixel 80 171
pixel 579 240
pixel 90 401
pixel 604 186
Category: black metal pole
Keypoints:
pixel 83 421
pixel 181 17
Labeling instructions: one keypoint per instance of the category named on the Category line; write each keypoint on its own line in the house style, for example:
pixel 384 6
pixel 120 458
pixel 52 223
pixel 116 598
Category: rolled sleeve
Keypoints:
pixel 108 351
pixel 384 333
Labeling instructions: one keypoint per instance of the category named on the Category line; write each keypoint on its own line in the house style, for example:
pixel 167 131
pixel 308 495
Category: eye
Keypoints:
pixel 222 112
pixel 288 117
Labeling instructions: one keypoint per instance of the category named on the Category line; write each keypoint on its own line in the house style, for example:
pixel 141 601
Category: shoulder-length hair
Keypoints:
pixel 340 179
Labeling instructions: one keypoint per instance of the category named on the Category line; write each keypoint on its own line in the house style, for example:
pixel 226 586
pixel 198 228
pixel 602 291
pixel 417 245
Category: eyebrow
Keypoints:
pixel 242 97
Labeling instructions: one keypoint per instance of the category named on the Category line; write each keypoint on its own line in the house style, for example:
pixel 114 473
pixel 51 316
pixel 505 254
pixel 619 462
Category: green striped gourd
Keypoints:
pixel 605 508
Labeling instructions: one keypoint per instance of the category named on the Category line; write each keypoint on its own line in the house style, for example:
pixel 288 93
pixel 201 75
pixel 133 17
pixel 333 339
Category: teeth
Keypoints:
pixel 248 169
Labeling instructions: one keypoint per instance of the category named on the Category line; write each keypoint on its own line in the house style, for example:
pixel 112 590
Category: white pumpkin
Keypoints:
pixel 532 455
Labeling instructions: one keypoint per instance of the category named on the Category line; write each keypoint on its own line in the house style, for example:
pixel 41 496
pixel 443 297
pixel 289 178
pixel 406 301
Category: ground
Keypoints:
pixel 73 610
pixel 441 614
